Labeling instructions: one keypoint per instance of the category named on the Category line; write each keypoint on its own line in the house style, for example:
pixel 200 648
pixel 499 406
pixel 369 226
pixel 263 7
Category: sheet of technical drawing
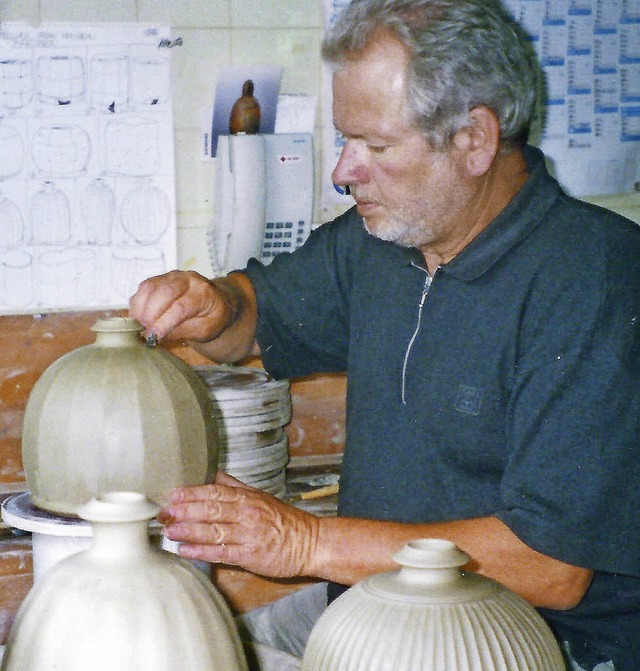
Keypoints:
pixel 87 179
pixel 589 51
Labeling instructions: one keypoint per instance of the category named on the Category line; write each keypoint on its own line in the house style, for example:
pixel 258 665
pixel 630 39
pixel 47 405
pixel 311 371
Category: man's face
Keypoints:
pixel 406 192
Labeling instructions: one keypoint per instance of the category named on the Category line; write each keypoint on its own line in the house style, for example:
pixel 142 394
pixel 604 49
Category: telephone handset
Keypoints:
pixel 263 197
pixel 240 201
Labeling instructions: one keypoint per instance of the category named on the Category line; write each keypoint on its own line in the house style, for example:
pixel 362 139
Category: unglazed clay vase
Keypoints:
pixel 430 616
pixel 245 114
pixel 116 414
pixel 123 604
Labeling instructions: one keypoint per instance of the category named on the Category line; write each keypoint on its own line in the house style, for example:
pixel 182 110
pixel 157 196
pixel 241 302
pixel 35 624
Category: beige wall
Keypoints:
pixel 283 32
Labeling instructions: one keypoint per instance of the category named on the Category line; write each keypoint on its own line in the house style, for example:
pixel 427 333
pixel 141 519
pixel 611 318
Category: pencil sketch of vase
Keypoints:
pixel 11 152
pixel 17 286
pixel 11 223
pixel 60 79
pixel 98 211
pixel 150 83
pixel 61 150
pixel 109 82
pixel 16 83
pixel 67 277
pixel 132 146
pixel 50 216
pixel 145 213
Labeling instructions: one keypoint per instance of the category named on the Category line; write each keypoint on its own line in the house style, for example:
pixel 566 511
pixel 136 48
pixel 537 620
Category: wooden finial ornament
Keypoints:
pixel 245 113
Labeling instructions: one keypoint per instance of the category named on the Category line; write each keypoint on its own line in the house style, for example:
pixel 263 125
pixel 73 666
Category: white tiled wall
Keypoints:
pixel 214 32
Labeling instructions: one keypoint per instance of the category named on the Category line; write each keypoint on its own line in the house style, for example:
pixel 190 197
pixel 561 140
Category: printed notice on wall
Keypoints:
pixel 87 183
pixel 589 52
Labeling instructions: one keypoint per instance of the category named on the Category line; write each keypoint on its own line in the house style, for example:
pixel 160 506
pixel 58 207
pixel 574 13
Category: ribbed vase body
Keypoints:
pixel 123 604
pixel 431 618
pixel 116 415
pixel 372 634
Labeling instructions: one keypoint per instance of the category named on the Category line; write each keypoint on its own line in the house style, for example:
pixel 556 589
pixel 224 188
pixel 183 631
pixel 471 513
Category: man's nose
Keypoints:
pixel 349 169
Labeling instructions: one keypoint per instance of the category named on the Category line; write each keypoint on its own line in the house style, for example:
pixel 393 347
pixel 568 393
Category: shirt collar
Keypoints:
pixel 512 225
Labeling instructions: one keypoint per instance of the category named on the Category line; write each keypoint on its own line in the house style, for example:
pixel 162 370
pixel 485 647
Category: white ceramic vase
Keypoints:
pixel 116 415
pixel 430 616
pixel 123 604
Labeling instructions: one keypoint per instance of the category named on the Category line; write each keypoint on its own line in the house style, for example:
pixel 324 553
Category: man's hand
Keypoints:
pixel 181 303
pixel 231 523
pixel 220 314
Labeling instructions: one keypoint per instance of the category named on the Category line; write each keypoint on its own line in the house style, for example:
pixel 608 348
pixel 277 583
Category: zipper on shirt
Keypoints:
pixel 423 299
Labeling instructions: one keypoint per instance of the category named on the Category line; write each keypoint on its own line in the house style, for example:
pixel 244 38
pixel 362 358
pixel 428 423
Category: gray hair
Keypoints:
pixel 463 54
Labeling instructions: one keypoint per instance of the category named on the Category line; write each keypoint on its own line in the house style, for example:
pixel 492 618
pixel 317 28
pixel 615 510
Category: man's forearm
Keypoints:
pixel 348 550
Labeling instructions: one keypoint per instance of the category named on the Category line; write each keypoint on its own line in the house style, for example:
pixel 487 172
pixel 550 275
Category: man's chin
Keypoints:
pixel 378 229
pixel 389 233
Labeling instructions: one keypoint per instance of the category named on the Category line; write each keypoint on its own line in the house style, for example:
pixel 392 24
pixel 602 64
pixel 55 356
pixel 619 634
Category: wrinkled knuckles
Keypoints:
pixel 217 535
pixel 212 511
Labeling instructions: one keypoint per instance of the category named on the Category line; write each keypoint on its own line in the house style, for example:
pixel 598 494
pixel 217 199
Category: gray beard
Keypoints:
pixel 402 233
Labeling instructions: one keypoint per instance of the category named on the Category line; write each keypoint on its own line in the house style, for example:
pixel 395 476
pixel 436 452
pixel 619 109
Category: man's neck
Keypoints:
pixel 493 193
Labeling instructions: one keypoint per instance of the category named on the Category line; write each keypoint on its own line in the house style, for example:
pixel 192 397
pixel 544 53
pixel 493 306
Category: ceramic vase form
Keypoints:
pixel 123 604
pixel 116 414
pixel 245 114
pixel 430 616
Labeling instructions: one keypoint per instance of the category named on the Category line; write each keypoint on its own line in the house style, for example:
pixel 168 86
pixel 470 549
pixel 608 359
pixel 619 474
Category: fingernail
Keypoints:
pixel 176 496
pixel 165 517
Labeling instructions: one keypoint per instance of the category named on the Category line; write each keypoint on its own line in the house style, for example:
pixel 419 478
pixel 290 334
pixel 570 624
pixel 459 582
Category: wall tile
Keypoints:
pixel 193 251
pixel 187 13
pixel 194 66
pixel 88 10
pixel 276 14
pixel 298 51
pixel 194 175
pixel 20 10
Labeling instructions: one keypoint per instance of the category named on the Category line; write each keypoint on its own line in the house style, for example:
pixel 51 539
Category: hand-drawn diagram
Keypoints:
pixel 146 213
pixel 60 79
pixel 98 203
pixel 87 183
pixel 16 83
pixel 61 150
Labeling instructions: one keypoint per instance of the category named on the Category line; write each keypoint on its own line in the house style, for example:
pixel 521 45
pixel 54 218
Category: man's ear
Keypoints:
pixel 478 142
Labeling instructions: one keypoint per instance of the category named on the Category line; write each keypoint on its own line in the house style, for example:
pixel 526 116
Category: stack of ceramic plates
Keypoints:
pixel 251 410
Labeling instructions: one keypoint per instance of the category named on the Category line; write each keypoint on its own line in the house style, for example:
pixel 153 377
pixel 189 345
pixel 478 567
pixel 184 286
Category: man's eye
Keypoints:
pixel 377 148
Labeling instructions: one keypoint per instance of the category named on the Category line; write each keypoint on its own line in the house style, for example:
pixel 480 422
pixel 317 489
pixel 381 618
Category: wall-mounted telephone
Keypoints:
pixel 263 197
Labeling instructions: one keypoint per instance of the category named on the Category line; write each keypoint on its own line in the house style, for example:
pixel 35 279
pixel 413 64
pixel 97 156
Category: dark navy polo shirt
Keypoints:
pixel 510 386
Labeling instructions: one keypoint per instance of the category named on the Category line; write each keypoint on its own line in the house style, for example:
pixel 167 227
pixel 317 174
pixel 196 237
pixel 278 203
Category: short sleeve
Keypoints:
pixel 571 487
pixel 303 302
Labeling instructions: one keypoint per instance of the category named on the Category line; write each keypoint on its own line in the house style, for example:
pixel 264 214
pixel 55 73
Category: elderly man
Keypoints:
pixel 489 325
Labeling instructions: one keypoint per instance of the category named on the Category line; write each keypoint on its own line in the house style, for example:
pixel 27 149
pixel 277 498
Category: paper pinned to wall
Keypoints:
pixel 296 114
pixel 87 180
pixel 589 51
